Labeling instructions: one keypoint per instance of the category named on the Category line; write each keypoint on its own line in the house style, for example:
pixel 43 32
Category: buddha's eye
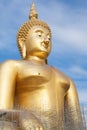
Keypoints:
pixel 39 34
pixel 48 37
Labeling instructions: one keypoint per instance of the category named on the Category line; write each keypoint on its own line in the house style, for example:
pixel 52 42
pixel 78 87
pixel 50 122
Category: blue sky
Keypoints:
pixel 68 22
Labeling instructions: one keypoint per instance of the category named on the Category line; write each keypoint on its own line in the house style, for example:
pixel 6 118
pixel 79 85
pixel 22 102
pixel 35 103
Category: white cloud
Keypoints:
pixel 76 38
pixel 78 71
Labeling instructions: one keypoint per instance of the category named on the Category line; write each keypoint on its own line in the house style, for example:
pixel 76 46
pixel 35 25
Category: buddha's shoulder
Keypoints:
pixel 61 77
pixel 10 63
pixel 20 64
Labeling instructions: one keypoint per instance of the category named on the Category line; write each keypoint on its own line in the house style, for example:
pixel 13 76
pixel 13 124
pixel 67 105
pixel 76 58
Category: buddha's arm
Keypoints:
pixel 72 105
pixel 8 73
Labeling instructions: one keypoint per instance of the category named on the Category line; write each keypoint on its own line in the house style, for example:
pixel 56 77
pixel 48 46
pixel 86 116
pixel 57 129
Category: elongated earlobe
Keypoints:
pixel 23 51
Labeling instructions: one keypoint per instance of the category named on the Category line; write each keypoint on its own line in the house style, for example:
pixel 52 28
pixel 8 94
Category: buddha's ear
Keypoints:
pixel 22 49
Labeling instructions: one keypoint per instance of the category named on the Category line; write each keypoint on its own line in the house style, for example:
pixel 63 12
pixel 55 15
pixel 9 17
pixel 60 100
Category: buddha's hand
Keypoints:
pixel 39 128
pixel 29 124
pixel 29 121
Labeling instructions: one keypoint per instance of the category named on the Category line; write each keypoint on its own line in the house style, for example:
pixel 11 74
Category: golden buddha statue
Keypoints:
pixel 33 84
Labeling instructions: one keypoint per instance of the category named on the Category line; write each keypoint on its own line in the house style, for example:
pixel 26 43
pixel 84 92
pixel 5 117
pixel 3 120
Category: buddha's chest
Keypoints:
pixel 34 74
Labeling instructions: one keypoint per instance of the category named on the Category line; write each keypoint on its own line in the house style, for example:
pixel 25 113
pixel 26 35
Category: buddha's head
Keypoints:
pixel 34 37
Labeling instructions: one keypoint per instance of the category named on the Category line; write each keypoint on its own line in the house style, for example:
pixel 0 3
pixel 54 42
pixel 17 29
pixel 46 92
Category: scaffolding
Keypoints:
pixel 22 119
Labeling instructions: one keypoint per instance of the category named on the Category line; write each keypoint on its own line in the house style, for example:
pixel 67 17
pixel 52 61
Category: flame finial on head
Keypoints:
pixel 33 11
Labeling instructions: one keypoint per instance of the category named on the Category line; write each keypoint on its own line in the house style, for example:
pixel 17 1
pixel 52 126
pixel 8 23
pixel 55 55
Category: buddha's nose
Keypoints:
pixel 46 42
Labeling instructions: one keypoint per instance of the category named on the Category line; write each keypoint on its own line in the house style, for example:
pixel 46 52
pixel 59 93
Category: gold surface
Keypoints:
pixel 33 84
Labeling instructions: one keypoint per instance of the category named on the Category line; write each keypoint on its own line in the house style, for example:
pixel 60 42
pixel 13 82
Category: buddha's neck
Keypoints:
pixel 35 59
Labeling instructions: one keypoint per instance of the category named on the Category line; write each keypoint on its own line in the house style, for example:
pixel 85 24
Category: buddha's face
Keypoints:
pixel 38 42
